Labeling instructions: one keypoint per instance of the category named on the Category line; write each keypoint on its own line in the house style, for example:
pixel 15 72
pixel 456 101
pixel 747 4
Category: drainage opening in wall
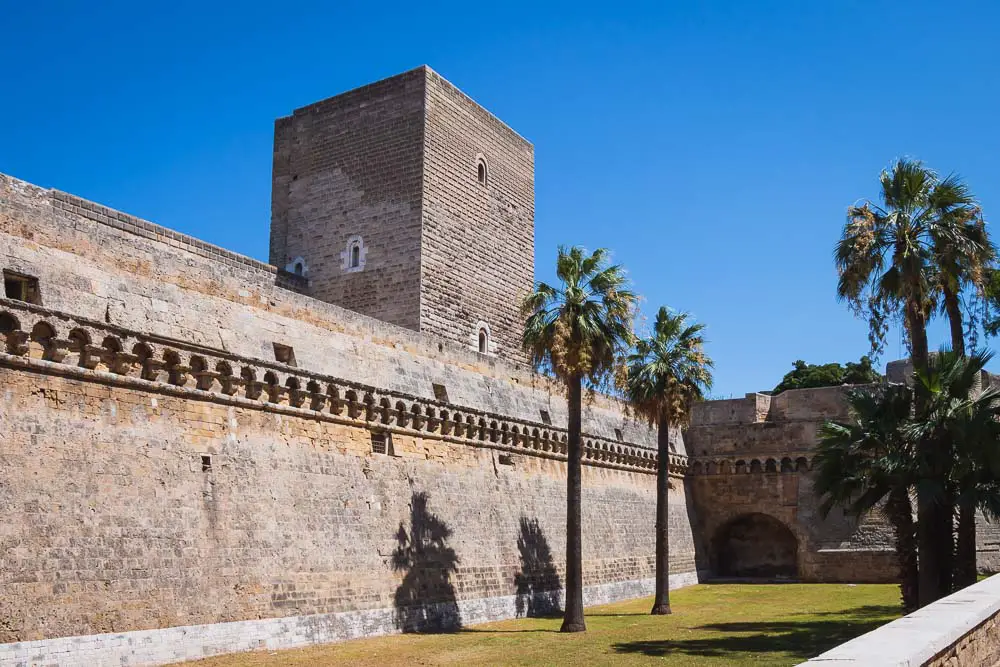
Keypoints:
pixel 382 443
pixel 20 287
pixel 284 354
pixel 440 392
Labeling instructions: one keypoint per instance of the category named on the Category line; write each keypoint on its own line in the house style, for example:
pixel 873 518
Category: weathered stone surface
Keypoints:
pixel 751 464
pixel 115 523
pixel 395 163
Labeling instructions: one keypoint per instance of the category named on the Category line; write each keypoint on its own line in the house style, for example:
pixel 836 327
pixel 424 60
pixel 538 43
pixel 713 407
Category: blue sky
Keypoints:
pixel 714 146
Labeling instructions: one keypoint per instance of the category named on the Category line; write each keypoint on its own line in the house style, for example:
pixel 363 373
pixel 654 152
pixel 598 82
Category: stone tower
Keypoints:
pixel 407 201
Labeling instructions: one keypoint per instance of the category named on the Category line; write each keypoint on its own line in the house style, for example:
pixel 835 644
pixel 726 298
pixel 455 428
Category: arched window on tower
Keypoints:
pixel 297 266
pixel 352 258
pixel 481 339
pixel 482 170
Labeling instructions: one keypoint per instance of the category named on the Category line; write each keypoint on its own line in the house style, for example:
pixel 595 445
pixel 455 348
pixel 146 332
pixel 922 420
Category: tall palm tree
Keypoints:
pixel 961 422
pixel 887 267
pixel 868 463
pixel 579 332
pixel 963 253
pixel 667 372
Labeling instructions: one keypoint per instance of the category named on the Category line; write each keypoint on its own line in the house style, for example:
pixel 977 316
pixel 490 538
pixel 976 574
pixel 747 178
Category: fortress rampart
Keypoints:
pixel 204 453
pixel 751 480
pixel 161 468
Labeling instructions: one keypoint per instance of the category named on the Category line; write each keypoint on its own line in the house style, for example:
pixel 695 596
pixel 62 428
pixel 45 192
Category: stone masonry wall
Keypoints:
pixel 753 456
pixel 147 278
pixel 478 239
pixel 152 350
pixel 115 519
pixel 351 166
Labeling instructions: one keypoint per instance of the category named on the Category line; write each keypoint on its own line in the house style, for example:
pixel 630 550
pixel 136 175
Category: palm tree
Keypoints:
pixel 887 266
pixel 667 372
pixel 963 253
pixel 578 332
pixel 868 463
pixel 960 422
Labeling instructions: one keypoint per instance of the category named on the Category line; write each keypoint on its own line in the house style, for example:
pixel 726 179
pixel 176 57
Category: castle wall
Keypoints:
pixel 112 524
pixel 753 456
pixel 352 166
pixel 110 267
pixel 151 351
pixel 478 239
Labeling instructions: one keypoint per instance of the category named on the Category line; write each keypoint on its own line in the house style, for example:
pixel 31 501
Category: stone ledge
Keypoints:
pixel 42 340
pixel 192 642
pixel 920 637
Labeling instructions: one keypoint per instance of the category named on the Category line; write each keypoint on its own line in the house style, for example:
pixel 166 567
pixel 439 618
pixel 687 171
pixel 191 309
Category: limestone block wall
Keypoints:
pixel 162 467
pixel 138 494
pixel 110 267
pixel 349 168
pixel 394 166
pixel 831 549
pixel 478 238
pixel 752 458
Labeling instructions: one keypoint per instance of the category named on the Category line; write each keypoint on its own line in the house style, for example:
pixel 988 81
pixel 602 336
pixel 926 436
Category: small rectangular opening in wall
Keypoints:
pixel 206 463
pixel 506 459
pixel 20 287
pixel 284 354
pixel 382 443
pixel 440 392
pixel 618 435
pixel 546 417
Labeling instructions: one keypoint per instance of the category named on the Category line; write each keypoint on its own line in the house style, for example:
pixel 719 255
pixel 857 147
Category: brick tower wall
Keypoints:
pixel 478 240
pixel 351 166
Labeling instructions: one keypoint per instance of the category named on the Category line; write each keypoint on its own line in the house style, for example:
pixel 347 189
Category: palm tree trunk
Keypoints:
pixel 661 605
pixel 965 549
pixel 928 511
pixel 573 617
pixel 900 514
pixel 954 310
pixel 966 568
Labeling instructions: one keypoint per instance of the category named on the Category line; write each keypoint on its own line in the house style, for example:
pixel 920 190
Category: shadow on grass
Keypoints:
pixel 799 639
pixel 486 631
pixel 627 613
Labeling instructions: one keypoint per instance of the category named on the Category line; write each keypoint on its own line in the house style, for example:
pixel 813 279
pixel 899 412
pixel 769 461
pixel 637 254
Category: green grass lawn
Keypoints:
pixel 712 624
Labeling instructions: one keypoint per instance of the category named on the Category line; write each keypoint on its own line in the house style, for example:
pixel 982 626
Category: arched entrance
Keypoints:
pixel 756 545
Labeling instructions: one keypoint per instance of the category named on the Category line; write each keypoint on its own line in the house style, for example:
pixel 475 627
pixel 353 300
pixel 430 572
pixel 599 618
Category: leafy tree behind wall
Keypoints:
pixel 805 376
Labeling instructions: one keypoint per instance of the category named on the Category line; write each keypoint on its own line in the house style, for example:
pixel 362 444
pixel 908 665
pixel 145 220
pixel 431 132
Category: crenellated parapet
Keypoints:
pixel 40 339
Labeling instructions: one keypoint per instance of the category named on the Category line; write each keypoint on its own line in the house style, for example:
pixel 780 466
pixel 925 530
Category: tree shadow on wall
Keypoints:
pixel 798 639
pixel 425 600
pixel 538 587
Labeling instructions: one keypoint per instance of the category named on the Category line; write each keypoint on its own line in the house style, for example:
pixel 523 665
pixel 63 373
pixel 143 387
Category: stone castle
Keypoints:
pixel 204 453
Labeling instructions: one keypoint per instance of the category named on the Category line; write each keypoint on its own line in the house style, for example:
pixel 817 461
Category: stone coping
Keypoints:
pixel 918 638
pixel 154 232
pixel 43 340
